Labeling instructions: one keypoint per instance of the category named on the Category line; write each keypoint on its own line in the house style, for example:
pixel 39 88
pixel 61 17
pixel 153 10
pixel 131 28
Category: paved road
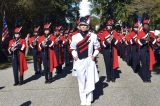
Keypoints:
pixel 128 90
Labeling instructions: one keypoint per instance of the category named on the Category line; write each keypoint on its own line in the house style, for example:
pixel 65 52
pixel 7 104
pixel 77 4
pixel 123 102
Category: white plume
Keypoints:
pixel 85 8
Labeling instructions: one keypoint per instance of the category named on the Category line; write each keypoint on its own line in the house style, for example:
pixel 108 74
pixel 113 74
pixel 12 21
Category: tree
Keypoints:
pixel 150 6
pixel 25 10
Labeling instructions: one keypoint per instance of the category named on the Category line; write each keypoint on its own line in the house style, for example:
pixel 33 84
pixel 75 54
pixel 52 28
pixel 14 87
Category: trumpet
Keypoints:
pixel 148 38
pixel 66 38
pixel 44 43
pixel 109 39
pixel 57 39
pixel 14 46
pixel 35 41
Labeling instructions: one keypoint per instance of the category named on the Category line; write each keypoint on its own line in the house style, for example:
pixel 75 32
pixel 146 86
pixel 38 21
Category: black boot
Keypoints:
pixel 113 80
pixel 108 80
pixel 149 81
pixel 16 83
pixel 50 77
pixel 59 69
pixel 47 81
pixel 36 73
pixel 39 69
pixel 21 80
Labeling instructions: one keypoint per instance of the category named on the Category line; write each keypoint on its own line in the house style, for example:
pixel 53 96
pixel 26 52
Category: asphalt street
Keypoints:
pixel 128 90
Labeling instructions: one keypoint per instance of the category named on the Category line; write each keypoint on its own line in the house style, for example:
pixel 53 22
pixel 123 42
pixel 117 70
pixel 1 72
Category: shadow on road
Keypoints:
pixel 99 88
pixel 117 73
pixel 65 72
pixel 28 103
pixel 156 68
pixel 33 77
pixel 155 71
pixel 140 74
pixel 2 87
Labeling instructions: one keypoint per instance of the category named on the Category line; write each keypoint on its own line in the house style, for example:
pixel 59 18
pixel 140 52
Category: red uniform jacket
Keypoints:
pixel 115 64
pixel 61 56
pixel 142 35
pixel 74 33
pixel 104 35
pixel 133 35
pixel 70 38
pixel 31 40
pixel 121 36
pixel 127 39
pixel 52 56
pixel 22 60
pixel 99 35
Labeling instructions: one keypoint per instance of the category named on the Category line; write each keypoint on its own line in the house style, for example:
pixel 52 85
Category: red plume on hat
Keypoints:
pixel 136 25
pixel 17 29
pixel 58 27
pixel 71 31
pixel 46 26
pixel 146 21
pixel 66 31
pixel 146 18
pixel 36 29
pixel 61 31
pixel 110 22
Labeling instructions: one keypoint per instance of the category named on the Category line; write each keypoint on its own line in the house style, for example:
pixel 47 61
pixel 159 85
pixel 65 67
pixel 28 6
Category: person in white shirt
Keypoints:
pixel 85 47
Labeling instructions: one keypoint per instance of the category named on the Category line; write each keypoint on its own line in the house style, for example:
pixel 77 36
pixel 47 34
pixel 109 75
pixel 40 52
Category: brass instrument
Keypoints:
pixel 110 38
pixel 14 46
pixel 57 39
pixel 147 38
pixel 44 43
pixel 35 41
pixel 67 40
pixel 126 32
pixel 135 38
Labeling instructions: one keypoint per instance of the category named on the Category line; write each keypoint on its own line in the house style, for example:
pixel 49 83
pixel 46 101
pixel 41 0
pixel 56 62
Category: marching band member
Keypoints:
pixel 145 40
pixel 109 41
pixel 46 44
pixel 134 48
pixel 33 43
pixel 66 44
pixel 58 49
pixel 128 44
pixel 122 44
pixel 82 46
pixel 17 49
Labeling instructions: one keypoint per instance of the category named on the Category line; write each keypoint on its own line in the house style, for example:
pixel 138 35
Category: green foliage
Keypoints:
pixel 28 9
pixel 124 8
pixel 94 21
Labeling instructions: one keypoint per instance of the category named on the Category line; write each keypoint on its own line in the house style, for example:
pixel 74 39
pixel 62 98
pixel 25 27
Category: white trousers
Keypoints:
pixel 87 77
pixel 85 97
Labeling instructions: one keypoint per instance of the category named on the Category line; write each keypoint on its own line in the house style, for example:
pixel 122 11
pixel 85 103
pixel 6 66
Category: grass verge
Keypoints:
pixel 8 64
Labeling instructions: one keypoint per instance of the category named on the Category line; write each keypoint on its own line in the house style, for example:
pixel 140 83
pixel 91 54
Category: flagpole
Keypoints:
pixel 5 33
pixel 4 13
